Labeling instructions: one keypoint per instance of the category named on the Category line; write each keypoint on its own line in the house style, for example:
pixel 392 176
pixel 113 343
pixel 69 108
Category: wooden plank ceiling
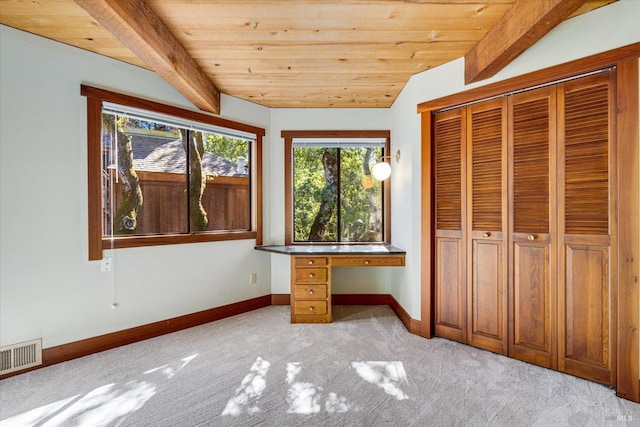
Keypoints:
pixel 293 53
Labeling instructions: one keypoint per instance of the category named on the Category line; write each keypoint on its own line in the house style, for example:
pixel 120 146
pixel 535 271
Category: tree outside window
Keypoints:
pixel 334 197
pixel 165 179
pixel 163 175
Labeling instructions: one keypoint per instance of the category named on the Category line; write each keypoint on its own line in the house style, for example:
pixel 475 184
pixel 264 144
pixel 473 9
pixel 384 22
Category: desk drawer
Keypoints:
pixel 310 261
pixel 310 292
pixel 368 261
pixel 312 275
pixel 310 307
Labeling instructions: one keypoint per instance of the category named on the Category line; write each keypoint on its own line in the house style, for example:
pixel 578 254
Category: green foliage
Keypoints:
pixel 308 192
pixel 225 147
pixel 144 124
pixel 360 208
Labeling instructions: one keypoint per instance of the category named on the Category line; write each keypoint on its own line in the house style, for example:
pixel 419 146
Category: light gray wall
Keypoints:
pixel 48 288
pixel 604 29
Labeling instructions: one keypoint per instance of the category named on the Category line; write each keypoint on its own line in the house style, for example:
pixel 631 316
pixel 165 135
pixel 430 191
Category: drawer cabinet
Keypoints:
pixel 311 275
pixel 311 281
pixel 311 308
pixel 310 289
pixel 311 261
pixel 303 292
pixel 369 261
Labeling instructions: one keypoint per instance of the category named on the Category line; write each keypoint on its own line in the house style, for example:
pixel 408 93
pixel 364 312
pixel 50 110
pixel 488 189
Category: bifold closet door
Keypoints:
pixel 450 296
pixel 486 224
pixel 525 218
pixel 587 228
pixel 532 240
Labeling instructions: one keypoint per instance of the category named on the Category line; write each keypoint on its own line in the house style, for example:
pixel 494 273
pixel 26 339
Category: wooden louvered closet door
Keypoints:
pixel 532 289
pixel 449 152
pixel 487 226
pixel 526 226
pixel 587 228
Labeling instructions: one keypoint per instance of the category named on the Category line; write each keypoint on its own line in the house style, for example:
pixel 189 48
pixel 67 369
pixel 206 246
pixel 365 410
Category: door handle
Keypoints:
pixel 486 234
pixel 531 237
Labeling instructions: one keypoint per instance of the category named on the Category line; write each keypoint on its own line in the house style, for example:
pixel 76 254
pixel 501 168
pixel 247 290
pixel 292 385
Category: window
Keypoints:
pixel 331 195
pixel 164 175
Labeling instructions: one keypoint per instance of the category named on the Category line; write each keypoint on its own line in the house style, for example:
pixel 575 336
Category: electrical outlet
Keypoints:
pixel 253 278
pixel 106 264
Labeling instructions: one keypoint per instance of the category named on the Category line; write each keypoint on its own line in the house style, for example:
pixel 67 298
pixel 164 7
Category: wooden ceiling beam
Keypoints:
pixel 522 26
pixel 141 30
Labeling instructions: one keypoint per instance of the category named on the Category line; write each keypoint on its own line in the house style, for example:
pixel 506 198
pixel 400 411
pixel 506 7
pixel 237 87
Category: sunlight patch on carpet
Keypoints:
pixel 102 406
pixel 170 370
pixel 302 398
pixel 386 375
pixel 336 404
pixel 293 369
pixel 250 390
pixel 307 398
pixel 38 415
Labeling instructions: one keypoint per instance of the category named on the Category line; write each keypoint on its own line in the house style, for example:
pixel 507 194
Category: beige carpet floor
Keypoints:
pixel 257 369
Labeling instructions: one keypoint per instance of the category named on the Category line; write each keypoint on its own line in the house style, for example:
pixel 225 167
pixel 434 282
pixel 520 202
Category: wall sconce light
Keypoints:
pixel 382 170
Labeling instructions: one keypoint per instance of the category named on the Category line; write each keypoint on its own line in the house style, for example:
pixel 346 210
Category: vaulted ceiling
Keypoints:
pixel 294 53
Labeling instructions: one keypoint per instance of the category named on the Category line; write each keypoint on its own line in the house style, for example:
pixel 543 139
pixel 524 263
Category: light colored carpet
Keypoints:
pixel 364 369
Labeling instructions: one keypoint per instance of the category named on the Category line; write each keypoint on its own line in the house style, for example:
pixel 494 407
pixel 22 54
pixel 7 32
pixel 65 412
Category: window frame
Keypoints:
pixel 97 242
pixel 288 136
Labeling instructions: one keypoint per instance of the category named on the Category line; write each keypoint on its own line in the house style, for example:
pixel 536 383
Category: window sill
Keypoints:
pixel 325 243
pixel 329 249
pixel 174 239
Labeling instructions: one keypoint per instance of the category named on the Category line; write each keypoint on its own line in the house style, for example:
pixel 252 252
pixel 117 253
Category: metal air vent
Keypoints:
pixel 20 356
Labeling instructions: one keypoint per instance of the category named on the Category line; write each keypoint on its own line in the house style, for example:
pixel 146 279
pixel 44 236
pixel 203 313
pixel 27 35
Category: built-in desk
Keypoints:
pixel 311 273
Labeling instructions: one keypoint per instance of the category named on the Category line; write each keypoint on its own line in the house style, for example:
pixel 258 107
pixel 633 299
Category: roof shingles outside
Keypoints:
pixel 167 156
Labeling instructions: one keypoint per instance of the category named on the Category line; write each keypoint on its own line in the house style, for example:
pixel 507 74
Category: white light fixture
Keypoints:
pixel 382 170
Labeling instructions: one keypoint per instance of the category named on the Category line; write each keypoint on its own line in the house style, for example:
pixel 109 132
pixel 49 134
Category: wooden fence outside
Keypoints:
pixel 226 199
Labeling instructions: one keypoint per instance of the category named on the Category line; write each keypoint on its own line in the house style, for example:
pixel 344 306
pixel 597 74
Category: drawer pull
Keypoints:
pixel 486 234
pixel 311 275
pixel 310 262
pixel 531 237
pixel 366 262
pixel 310 291
pixel 310 308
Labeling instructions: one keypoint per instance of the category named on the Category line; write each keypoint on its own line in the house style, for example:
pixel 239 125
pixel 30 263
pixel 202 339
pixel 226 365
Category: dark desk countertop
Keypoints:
pixel 332 249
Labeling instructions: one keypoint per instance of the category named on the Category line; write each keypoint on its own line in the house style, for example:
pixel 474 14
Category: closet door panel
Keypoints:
pixel 531 323
pixel 449 273
pixel 587 300
pixel 587 312
pixel 486 225
pixel 450 296
pixel 488 321
pixel 532 309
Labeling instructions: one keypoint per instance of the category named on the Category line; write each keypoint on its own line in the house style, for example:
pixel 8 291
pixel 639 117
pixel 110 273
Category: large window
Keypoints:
pixel 168 175
pixel 331 193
